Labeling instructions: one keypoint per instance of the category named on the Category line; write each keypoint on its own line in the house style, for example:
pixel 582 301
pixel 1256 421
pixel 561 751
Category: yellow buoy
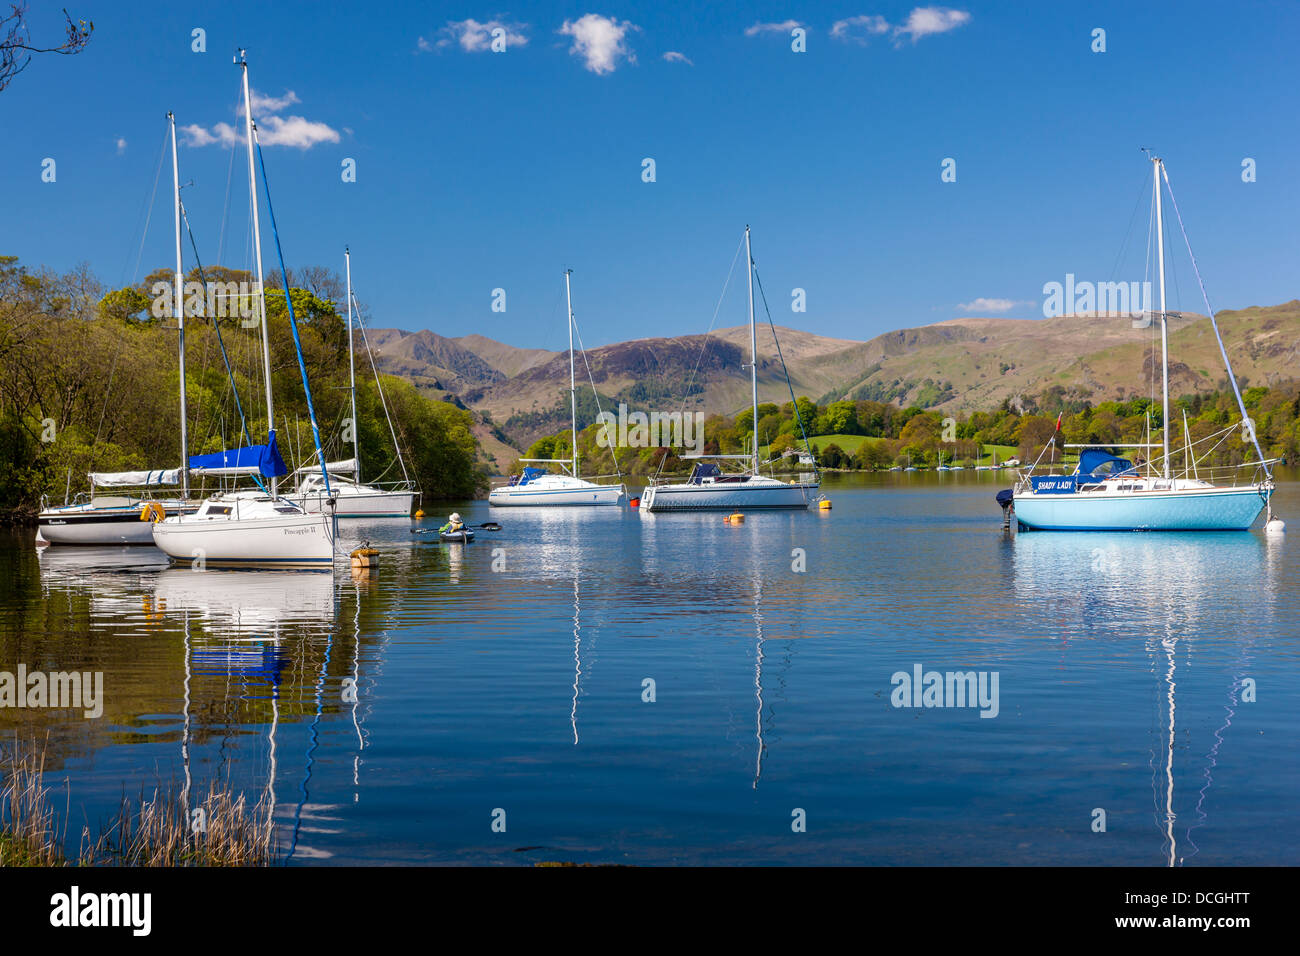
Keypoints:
pixel 419 512
pixel 365 558
pixel 824 504
pixel 736 518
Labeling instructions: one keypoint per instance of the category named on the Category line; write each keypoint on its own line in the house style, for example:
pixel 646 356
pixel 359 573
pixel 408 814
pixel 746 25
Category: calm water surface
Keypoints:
pixel 509 675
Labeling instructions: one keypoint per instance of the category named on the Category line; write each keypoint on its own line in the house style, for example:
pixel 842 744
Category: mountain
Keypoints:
pixel 959 365
pixel 427 358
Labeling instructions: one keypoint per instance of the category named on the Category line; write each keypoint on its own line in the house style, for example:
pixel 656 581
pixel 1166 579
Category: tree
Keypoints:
pixel 16 48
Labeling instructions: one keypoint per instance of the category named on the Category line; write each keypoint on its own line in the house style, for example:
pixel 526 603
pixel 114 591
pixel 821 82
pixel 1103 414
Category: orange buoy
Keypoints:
pixel 634 503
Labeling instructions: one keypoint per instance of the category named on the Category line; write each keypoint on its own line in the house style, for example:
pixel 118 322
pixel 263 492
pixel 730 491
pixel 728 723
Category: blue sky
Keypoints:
pixel 478 170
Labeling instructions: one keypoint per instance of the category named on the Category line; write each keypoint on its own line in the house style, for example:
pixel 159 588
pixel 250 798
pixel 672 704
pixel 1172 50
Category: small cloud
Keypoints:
pixel 263 103
pixel 783 27
pixel 294 131
pixel 990 305
pixel 925 21
pixel 672 56
pixel 196 135
pixel 423 45
pixel 600 41
pixel 272 130
pixel 857 29
pixel 121 145
pixel 474 37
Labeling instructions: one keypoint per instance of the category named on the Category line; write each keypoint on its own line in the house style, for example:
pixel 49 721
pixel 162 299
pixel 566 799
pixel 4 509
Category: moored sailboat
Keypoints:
pixel 536 487
pixel 708 488
pixel 351 498
pixel 255 528
pixel 1107 492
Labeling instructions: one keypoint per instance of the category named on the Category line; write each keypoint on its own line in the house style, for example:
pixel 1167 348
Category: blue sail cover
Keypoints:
pixel 265 458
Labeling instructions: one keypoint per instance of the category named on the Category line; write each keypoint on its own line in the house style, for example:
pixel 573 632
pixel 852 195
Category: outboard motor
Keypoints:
pixel 1006 498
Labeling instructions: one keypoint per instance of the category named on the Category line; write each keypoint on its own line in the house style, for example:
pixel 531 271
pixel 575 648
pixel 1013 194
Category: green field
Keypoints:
pixel 851 443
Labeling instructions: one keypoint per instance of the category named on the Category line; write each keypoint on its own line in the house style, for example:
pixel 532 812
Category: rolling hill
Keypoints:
pixel 962 364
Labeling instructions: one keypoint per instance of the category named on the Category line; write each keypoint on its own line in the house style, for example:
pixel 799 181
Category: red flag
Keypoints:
pixel 1058 420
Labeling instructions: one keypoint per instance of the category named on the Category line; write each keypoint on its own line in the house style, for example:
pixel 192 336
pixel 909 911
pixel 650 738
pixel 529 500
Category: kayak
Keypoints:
pixel 464 536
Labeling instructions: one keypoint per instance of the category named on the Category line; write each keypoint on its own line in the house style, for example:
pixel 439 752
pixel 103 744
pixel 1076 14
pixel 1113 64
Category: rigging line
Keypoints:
pixel 1137 204
pixel 153 195
pixel 591 378
pixel 293 325
pixel 380 387
pixel 793 400
pixel 216 326
pixel 705 346
pixel 225 204
pixel 1214 323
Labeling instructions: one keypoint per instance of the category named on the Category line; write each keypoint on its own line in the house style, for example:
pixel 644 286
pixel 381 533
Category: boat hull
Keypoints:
pixel 98 527
pixel 525 497
pixel 727 497
pixel 1217 509
pixel 383 504
pixel 289 541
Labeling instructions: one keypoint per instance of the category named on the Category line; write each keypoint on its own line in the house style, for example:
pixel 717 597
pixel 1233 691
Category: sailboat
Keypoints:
pixel 708 488
pixel 259 527
pixel 536 487
pixel 117 519
pixel 352 499
pixel 1109 493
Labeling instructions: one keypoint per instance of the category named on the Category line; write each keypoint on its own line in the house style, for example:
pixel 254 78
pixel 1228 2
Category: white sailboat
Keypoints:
pixel 535 487
pixel 708 488
pixel 122 519
pixel 352 499
pixel 254 528
pixel 1109 493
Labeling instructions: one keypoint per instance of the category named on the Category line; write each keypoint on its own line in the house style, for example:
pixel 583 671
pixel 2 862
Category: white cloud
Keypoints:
pixel 600 41
pixel 672 56
pixel 272 130
pixel 990 305
pixel 925 21
pixel 423 45
pixel 196 135
pixel 856 29
pixel 294 131
pixel 121 145
pixel 784 27
pixel 474 37
pixel 262 103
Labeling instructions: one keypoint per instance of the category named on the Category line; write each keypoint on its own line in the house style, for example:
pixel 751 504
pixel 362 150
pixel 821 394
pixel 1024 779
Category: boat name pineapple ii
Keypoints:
pixel 60 690
pixel 656 430
pixel 951 689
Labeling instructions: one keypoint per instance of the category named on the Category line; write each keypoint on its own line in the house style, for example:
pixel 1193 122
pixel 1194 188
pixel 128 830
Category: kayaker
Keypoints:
pixel 453 524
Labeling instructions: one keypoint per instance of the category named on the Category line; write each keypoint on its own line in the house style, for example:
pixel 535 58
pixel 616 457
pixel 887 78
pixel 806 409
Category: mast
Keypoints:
pixel 753 351
pixel 257 252
pixel 180 310
pixel 1164 319
pixel 352 372
pixel 573 387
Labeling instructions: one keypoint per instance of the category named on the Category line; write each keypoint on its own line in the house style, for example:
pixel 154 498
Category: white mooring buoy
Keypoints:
pixel 1274 525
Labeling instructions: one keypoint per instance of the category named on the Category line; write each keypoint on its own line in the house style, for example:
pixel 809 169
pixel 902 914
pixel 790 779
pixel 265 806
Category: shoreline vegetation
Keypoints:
pixel 158 829
pixel 89 382
pixel 866 435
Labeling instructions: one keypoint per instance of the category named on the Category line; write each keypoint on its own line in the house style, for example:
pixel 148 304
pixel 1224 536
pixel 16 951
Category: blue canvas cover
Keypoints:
pixel 702 470
pixel 265 458
pixel 1095 463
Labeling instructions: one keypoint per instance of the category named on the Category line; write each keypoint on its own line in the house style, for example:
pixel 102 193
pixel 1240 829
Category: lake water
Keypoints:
pixel 1155 677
